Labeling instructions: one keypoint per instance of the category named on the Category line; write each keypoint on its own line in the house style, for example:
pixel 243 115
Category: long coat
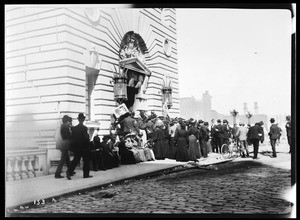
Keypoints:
pixel 80 138
pixel 256 132
pixel 274 132
pixel 181 139
pixel 226 131
pixel 220 130
pixel 158 148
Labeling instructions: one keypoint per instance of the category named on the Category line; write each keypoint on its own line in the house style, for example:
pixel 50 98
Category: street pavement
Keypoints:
pixel 243 186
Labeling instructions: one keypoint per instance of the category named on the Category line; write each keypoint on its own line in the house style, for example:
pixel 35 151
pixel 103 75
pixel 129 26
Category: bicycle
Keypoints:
pixel 231 150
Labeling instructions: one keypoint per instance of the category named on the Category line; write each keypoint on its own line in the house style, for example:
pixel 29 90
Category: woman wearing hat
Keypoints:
pixel 193 137
pixel 158 138
pixel 172 130
pixel 181 140
pixel 166 139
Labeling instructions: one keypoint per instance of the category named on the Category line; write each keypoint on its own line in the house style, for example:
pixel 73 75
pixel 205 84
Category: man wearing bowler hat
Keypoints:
pixel 226 132
pixel 64 144
pixel 80 147
pixel 273 134
pixel 220 134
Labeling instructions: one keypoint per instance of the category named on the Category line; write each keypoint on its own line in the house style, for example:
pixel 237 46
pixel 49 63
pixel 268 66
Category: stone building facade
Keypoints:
pixel 62 60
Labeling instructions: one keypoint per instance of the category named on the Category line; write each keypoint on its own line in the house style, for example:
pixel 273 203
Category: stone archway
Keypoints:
pixel 132 59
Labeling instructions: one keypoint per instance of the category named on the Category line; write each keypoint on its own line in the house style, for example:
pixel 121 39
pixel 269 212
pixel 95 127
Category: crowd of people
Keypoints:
pixel 135 138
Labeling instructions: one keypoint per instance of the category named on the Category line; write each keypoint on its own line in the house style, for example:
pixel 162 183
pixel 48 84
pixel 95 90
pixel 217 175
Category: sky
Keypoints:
pixel 238 56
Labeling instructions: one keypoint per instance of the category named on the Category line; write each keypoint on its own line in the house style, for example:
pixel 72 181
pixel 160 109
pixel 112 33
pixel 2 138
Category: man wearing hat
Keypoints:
pixel 273 134
pixel 256 135
pixel 226 132
pixel 220 134
pixel 288 128
pixel 214 137
pixel 63 144
pixel 202 135
pixel 80 147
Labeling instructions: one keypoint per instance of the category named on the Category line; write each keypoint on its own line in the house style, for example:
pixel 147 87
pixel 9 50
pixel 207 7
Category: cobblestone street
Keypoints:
pixel 244 186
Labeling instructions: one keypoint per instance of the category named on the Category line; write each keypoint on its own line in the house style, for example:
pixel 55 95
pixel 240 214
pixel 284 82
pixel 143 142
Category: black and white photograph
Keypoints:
pixel 155 111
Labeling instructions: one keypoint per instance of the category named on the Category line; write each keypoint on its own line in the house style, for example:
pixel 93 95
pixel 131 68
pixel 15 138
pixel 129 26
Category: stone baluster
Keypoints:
pixel 37 171
pixel 16 169
pixel 30 168
pixel 9 170
pixel 24 171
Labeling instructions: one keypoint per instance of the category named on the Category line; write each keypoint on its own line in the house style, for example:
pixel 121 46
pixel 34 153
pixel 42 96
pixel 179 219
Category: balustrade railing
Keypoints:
pixel 23 164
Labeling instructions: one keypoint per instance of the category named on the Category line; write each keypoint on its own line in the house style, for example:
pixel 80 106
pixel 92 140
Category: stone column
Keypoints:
pixel 37 171
pixel 30 168
pixel 24 171
pixel 16 169
pixel 9 171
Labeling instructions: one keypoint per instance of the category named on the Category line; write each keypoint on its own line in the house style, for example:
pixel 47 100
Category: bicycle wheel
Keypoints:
pixel 225 151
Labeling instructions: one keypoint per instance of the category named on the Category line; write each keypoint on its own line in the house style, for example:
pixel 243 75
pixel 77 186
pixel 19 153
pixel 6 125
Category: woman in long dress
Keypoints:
pixel 172 130
pixel 181 141
pixel 193 136
pixel 158 138
pixel 166 139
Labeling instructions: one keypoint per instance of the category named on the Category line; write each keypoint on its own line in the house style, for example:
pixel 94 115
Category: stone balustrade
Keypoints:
pixel 23 164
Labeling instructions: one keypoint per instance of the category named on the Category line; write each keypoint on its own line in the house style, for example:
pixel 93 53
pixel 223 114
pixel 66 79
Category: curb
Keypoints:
pixel 175 169
pixel 105 185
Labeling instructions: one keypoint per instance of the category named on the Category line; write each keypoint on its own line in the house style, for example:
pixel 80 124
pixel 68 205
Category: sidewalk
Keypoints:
pixel 47 187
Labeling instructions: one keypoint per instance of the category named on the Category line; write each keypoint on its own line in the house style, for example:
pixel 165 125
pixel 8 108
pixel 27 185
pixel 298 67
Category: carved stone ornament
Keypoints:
pixel 132 45
pixel 93 14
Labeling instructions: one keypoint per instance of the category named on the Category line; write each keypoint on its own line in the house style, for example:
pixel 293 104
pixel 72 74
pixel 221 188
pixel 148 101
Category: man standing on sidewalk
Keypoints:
pixel 226 132
pixel 220 134
pixel 63 144
pixel 288 128
pixel 80 147
pixel 273 134
pixel 256 135
pixel 213 136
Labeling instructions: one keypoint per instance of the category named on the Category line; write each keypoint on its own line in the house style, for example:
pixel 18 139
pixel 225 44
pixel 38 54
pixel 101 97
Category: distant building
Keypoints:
pixel 206 106
pixel 190 107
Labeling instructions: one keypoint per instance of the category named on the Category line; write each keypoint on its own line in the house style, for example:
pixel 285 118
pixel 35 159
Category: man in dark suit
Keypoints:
pixel 220 134
pixel 226 132
pixel 64 145
pixel 256 135
pixel 288 128
pixel 80 147
pixel 213 135
pixel 273 134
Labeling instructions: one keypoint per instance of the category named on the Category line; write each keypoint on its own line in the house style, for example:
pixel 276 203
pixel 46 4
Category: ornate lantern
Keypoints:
pixel 93 57
pixel 234 114
pixel 167 91
pixel 249 115
pixel 120 85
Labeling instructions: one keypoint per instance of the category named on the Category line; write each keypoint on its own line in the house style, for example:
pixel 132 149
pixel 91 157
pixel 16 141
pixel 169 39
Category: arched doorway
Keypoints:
pixel 132 62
